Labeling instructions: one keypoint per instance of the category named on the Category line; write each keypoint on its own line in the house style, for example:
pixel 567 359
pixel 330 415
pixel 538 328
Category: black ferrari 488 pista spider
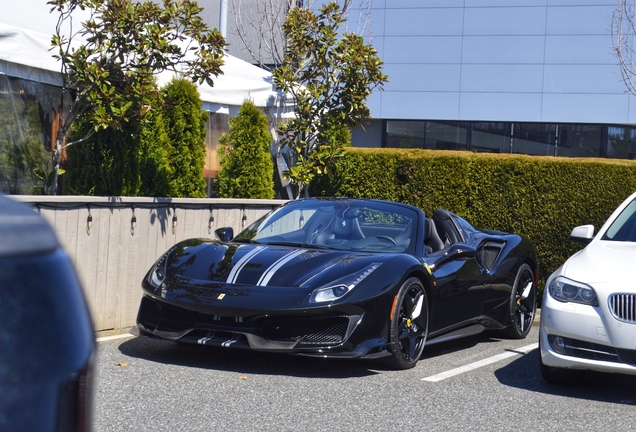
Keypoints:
pixel 342 278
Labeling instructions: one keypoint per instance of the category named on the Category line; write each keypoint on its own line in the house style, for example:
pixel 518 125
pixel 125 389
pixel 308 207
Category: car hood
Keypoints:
pixel 210 262
pixel 603 261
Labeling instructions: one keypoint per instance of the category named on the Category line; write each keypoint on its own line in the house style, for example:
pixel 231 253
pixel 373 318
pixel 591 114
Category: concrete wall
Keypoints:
pixel 112 257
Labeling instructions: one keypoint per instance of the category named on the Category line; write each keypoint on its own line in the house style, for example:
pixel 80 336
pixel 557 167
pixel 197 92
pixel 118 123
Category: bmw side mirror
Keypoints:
pixel 456 251
pixel 582 234
pixel 224 234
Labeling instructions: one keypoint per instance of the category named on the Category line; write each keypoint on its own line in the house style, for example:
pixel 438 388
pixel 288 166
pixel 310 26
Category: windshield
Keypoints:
pixel 367 226
pixel 624 226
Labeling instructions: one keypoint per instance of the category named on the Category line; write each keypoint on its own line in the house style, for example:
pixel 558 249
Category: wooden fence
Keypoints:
pixel 113 241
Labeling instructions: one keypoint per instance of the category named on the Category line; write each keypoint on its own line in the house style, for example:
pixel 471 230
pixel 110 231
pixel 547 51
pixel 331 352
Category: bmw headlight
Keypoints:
pixel 566 290
pixel 337 291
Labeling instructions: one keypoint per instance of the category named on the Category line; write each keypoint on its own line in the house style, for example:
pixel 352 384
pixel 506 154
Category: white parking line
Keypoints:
pixel 460 370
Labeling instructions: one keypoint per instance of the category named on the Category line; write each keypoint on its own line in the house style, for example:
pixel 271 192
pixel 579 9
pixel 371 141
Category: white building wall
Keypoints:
pixel 499 60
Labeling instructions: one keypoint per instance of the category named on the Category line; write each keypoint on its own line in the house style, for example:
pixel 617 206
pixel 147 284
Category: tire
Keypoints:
pixel 408 326
pixel 523 303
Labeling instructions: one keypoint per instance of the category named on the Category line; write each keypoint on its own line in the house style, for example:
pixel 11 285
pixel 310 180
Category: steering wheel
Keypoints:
pixel 387 238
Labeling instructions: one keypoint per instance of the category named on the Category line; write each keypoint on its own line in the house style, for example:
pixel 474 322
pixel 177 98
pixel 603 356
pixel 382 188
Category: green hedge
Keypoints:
pixel 542 198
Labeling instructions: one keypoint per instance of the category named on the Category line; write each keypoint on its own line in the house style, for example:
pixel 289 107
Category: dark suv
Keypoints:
pixel 46 333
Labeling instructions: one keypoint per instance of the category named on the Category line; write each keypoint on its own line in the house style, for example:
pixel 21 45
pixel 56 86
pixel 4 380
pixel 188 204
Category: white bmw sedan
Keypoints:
pixel 588 314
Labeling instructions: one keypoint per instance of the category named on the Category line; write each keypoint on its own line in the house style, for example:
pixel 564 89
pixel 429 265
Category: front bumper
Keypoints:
pixel 592 338
pixel 322 332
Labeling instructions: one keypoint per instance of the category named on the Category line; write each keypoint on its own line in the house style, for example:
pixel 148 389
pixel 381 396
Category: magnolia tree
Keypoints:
pixel 108 65
pixel 330 75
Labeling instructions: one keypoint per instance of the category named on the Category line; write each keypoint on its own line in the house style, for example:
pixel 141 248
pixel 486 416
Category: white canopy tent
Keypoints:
pixel 25 40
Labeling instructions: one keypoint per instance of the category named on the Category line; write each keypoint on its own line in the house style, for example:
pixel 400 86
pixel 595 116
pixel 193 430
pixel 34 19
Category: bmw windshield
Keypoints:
pixel 623 228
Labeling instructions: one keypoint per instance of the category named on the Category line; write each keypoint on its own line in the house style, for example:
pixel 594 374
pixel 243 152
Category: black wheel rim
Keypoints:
pixel 525 299
pixel 412 323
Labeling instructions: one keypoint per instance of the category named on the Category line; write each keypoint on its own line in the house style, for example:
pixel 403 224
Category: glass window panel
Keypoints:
pixel 490 137
pixel 446 135
pixel 405 134
pixel 534 139
pixel 621 142
pixel 579 140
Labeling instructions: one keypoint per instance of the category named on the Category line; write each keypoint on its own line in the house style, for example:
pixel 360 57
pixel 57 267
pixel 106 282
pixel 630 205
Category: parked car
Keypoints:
pixel 347 278
pixel 46 333
pixel 588 314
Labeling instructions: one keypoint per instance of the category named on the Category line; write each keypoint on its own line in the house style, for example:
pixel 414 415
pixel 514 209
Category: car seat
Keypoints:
pixel 445 227
pixel 431 239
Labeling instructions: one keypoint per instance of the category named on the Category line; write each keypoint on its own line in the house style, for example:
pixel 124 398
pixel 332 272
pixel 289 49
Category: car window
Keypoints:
pixel 367 226
pixel 624 226
pixel 288 222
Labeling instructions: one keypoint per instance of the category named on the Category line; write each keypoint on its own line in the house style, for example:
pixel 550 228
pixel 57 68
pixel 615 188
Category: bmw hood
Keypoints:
pixel 603 261
pixel 203 262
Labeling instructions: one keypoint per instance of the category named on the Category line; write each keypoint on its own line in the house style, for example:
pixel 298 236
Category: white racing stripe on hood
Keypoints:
pixel 239 265
pixel 269 273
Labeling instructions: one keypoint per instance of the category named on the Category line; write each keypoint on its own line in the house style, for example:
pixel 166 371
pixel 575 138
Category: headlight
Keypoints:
pixel 566 290
pixel 158 272
pixel 339 290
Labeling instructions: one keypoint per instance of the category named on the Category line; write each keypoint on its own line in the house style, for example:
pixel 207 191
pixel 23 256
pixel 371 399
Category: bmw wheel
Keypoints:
pixel 523 303
pixel 408 325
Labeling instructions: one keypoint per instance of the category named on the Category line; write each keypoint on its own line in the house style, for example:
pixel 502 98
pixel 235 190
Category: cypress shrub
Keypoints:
pixel 155 170
pixel 246 164
pixel 185 125
pixel 107 164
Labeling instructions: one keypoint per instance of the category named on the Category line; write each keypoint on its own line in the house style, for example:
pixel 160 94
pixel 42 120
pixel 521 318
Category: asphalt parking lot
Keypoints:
pixel 478 383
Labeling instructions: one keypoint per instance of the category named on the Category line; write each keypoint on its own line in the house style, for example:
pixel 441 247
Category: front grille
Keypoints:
pixel 623 307
pixel 592 351
pixel 307 331
pixel 159 316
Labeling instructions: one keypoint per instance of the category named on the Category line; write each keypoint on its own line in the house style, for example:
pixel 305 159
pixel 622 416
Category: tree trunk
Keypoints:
pixel 57 154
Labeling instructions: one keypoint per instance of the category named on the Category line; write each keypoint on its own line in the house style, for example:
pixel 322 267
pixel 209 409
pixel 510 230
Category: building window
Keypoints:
pixel 426 134
pixel 540 139
pixel 446 135
pixel 533 138
pixel 405 134
pixel 491 137
pixel 579 140
pixel 621 142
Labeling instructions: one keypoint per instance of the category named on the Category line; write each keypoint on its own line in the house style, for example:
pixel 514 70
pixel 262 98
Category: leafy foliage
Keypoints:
pixel 330 76
pixel 246 162
pixel 154 169
pixel 107 164
pixel 185 125
pixel 542 198
pixel 124 44
pixel 139 158
pixel 44 180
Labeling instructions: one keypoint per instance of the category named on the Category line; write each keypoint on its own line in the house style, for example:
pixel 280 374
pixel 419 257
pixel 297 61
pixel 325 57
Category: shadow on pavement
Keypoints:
pixel 603 387
pixel 242 361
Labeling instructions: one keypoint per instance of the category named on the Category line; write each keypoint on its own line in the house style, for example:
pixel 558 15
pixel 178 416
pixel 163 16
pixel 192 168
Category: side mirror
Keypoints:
pixel 582 234
pixel 224 234
pixel 456 251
